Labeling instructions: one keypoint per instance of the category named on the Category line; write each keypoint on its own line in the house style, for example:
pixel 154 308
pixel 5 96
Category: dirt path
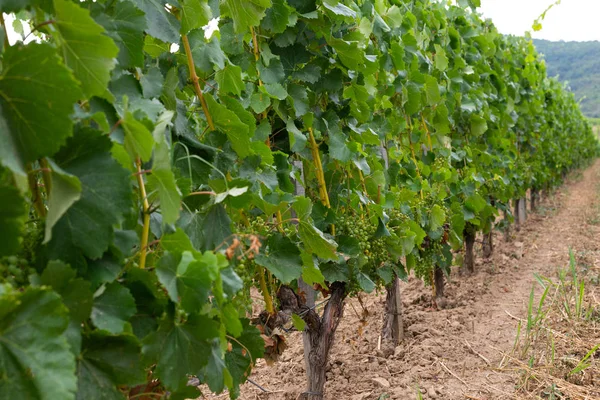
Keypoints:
pixel 447 354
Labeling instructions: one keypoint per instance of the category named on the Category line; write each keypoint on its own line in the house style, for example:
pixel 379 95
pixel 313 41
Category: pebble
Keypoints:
pixel 381 382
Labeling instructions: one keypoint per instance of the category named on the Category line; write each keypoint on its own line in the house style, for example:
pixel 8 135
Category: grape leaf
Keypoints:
pixel 180 349
pixel 228 122
pixel 86 49
pixel 160 23
pixel 36 360
pixel 113 308
pixel 105 363
pixel 194 14
pixel 277 17
pixel 66 190
pixel 230 80
pixel 105 197
pixel 125 24
pixel 315 241
pixel 245 13
pixel 282 258
pixel 36 104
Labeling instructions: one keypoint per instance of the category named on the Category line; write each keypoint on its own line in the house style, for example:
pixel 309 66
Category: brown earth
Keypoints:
pixel 452 353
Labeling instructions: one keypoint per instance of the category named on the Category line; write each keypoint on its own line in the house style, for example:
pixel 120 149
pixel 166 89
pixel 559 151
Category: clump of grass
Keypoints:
pixel 557 348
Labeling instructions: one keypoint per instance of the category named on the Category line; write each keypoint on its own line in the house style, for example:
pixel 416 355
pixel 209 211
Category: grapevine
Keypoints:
pixel 153 174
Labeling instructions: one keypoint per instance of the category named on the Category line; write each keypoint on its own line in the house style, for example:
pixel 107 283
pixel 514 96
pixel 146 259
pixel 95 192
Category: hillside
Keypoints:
pixel 577 63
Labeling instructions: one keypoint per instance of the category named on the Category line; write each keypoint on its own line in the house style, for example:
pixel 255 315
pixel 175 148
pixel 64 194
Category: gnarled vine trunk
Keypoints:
pixel 319 333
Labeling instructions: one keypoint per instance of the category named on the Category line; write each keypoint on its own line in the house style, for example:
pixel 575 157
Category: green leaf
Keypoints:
pixel 339 9
pixel 188 279
pixel 260 102
pixel 228 122
pixel 66 190
pixel 349 53
pixel 208 55
pixel 365 283
pixel 215 374
pixel 315 241
pixel 105 196
pixel 163 179
pixel 138 139
pixel 299 96
pixel 282 258
pixel 275 90
pixel 230 80
pixel 152 83
pixel 245 350
pixel 475 203
pixel 274 73
pixel 36 104
pixel 180 349
pixel 125 24
pixel 36 360
pixel 437 217
pixel 478 125
pixel 441 61
pixel 245 13
pixel 107 362
pixel 297 138
pixel 194 14
pixel 298 322
pixel 277 17
pixel 13 215
pixel 229 316
pixel 160 23
pixel 87 51
pixel 112 308
pixel 432 90
pixel 311 273
pixel 76 293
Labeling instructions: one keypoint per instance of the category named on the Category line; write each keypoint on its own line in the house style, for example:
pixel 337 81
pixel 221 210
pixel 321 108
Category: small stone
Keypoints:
pixel 381 382
pixel 431 393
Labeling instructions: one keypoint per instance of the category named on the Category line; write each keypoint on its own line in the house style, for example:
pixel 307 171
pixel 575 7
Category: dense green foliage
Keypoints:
pixel 577 64
pixel 145 190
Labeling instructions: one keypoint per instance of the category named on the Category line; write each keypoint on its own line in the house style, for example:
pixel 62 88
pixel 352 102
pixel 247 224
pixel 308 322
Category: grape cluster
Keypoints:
pixel 15 270
pixel 374 249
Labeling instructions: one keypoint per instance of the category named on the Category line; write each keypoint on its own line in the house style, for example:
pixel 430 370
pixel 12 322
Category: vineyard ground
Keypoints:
pixel 452 353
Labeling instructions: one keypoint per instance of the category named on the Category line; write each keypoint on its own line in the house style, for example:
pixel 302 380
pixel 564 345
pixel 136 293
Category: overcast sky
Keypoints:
pixel 570 20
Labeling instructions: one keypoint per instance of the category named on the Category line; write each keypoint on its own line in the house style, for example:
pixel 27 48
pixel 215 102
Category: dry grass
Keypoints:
pixel 557 348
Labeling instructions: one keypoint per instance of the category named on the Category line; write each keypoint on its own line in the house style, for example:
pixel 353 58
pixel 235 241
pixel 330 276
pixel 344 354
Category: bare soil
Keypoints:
pixel 451 353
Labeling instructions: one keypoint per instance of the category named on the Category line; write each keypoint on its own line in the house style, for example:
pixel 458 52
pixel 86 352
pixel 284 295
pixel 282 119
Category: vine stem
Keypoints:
pixel 3 23
pixel 146 208
pixel 36 195
pixel 314 148
pixel 265 292
pixel 196 81
pixel 46 175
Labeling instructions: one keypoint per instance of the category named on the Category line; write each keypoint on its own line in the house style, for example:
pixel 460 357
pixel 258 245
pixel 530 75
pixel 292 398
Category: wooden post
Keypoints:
pixel 534 199
pixel 488 244
pixel 469 262
pixel 393 325
pixel 522 205
pixel 506 226
pixel 438 284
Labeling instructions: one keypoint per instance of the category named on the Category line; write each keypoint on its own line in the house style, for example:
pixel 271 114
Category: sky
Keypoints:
pixel 571 20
